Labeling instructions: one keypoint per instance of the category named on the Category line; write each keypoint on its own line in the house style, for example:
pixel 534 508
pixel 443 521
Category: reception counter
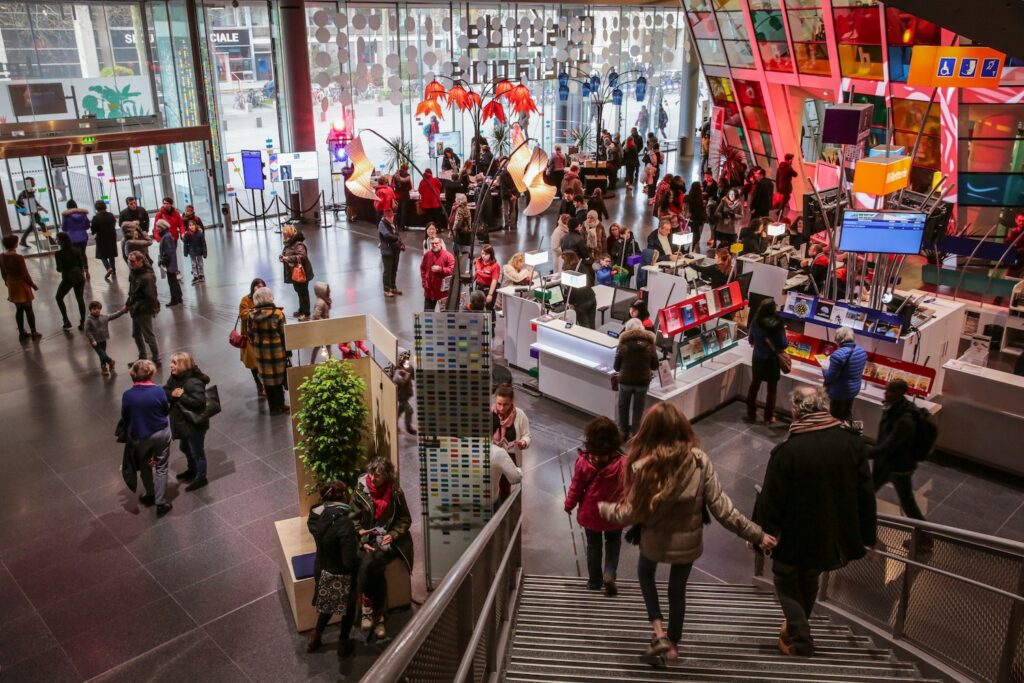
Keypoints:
pixel 575 366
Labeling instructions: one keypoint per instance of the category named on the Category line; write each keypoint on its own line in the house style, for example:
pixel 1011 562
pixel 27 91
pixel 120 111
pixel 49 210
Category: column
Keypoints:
pixel 297 89
pixel 688 100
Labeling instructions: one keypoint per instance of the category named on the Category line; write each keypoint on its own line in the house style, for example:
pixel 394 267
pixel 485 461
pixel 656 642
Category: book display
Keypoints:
pixel 700 309
pixel 863 321
pixel 707 345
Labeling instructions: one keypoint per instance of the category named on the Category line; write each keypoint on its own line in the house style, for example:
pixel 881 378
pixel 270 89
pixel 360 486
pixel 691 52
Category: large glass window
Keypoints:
pixel 859 34
pixel 807 28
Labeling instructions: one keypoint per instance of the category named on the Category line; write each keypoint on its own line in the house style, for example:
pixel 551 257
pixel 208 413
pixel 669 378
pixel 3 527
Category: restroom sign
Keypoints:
pixel 960 67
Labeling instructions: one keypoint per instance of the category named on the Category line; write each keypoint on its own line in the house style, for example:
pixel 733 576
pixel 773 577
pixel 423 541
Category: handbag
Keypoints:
pixel 332 591
pixel 212 408
pixel 299 274
pixel 236 338
pixel 785 362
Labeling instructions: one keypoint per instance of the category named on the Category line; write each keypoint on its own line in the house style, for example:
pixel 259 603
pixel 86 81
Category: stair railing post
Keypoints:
pixel 901 607
pixel 465 611
pixel 1012 637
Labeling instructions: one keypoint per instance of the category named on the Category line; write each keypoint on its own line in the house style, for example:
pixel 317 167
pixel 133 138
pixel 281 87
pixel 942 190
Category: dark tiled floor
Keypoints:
pixel 92 585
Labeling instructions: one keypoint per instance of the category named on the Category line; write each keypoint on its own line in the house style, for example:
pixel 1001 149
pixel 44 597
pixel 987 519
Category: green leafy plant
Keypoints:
pixel 581 138
pixel 332 424
pixel 501 139
pixel 398 152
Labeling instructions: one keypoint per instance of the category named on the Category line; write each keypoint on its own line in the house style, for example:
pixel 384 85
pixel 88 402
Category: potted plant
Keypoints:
pixel 398 152
pixel 581 138
pixel 501 139
pixel 332 424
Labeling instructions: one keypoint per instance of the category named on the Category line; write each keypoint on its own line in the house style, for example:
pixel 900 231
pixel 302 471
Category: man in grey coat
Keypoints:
pixel 142 304
pixel 169 259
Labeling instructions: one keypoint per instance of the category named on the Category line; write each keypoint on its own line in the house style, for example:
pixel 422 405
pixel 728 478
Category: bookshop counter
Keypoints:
pixel 574 366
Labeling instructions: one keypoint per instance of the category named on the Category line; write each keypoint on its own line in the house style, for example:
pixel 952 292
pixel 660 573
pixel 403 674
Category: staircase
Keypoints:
pixel 563 632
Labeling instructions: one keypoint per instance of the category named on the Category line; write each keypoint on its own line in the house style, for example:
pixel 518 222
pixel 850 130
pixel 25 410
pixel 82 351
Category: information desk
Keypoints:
pixel 575 366
pixel 982 415
pixel 520 310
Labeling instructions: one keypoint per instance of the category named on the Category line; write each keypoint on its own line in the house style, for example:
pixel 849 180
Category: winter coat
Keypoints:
pixel 845 368
pixel 727 213
pixel 140 245
pixel 404 380
pixel 761 198
pixel 896 446
pixel 168 253
pixel 322 307
pixel 557 235
pixel 402 184
pixel 20 287
pixel 390 242
pixel 142 298
pixel 174 221
pixel 104 228
pixel 770 329
pixel 75 222
pixel 430 193
pixel 395 521
pixel 673 532
pixel 818 499
pixel 784 175
pixel 139 215
pixel 574 241
pixel 635 358
pixel 592 485
pixel 266 334
pixel 97 326
pixel 295 253
pixel 597 238
pixel 193 381
pixel 462 226
pixel 433 282
pixel 510 277
pixel 572 184
pixel 195 243
pixel 70 265
pixel 337 543
pixel 245 307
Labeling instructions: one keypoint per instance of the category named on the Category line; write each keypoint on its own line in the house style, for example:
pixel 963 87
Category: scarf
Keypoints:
pixel 381 498
pixel 813 423
pixel 503 424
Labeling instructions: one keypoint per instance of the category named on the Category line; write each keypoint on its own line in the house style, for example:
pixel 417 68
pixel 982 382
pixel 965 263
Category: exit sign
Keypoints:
pixel 88 140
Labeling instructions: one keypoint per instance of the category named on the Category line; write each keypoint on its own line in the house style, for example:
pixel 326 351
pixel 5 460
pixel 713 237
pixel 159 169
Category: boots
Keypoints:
pixel 313 644
pixel 346 646
pixel 366 622
pixel 379 632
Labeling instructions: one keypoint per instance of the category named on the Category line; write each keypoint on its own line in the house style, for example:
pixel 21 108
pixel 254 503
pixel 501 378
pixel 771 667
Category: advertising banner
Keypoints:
pixel 956 67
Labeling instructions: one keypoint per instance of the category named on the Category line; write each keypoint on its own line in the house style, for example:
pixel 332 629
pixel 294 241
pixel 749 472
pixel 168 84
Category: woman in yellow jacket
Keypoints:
pixel 248 352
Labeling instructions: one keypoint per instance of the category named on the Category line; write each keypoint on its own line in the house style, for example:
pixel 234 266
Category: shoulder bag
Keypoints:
pixel 785 362
pixel 299 273
pixel 236 338
pixel 212 408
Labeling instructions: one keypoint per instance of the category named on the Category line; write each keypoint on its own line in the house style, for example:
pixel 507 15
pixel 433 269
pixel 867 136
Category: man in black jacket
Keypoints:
pixel 761 195
pixel 818 500
pixel 142 304
pixel 895 453
pixel 133 212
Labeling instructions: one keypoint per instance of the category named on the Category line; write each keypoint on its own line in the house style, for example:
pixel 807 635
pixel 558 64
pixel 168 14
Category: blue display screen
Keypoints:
pixel 884 232
pixel 252 169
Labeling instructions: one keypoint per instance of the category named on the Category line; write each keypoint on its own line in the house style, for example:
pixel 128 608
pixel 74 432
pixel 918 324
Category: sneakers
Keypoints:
pixel 610 589
pixel 147 499
pixel 379 632
pixel 366 623
pixel 197 484
pixel 111 364
pixel 104 370
pixel 66 325
pixel 388 293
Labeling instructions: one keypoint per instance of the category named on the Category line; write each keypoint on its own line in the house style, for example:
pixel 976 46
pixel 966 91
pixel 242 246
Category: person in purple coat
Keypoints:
pixel 75 222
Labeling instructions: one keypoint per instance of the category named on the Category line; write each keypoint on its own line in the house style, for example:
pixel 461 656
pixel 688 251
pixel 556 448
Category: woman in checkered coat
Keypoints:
pixel 266 334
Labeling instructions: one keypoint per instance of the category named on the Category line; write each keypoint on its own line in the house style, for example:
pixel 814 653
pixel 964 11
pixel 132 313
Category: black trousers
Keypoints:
pixel 302 291
pixel 175 287
pixel 371 580
pixel 390 270
pixel 612 543
pixel 797 590
pixel 902 482
pixel 62 291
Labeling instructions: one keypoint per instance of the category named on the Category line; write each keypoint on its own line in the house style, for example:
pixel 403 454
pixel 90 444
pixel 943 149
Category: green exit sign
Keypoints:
pixel 88 140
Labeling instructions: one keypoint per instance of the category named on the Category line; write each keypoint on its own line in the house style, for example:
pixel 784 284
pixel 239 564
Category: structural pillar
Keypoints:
pixel 688 89
pixel 298 91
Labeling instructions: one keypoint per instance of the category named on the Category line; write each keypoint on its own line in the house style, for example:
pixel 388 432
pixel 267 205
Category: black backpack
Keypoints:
pixel 926 433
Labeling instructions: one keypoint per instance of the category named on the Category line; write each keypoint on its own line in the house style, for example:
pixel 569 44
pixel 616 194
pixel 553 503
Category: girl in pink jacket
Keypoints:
pixel 597 478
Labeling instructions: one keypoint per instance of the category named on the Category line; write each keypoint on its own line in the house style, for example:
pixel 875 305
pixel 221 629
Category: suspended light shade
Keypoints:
pixel 474 99
pixel 641 88
pixel 458 97
pixel 502 87
pixel 586 89
pixel 595 82
pixel 541 194
pixel 617 97
pixel 613 78
pixel 495 110
pixel 433 91
pixel 359 183
pixel 429 107
pixel 522 102
pixel 516 167
pixel 563 93
pixel 563 80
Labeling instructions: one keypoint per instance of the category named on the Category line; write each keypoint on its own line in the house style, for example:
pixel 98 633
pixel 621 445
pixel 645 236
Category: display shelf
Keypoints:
pixel 696 311
pixel 686 366
pixel 565 355
pixel 866 322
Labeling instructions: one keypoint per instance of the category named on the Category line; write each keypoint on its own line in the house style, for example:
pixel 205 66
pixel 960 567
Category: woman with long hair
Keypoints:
pixel 696 208
pixel 669 482
pixel 768 337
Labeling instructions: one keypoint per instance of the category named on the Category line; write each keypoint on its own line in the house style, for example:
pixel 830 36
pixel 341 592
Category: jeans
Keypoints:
pixel 677 578
pixel 197 266
pixel 405 407
pixel 158 445
pixel 902 482
pixel 841 409
pixel 22 311
pixel 769 400
pixel 62 291
pixel 612 544
pixel 637 394
pixel 302 291
pixel 390 270
pixel 101 351
pixel 194 448
pixel 371 580
pixel 797 590
pixel 142 333
pixel 175 287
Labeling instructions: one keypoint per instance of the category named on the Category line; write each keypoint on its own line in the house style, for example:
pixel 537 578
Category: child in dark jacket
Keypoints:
pixel 195 248
pixel 597 478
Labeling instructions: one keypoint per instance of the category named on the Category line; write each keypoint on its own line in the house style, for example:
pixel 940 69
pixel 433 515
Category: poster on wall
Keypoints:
pixel 451 139
pixel 298 166
pixel 97 98
pixel 715 142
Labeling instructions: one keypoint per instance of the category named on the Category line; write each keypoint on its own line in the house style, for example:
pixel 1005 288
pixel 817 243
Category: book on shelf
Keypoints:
pixel 710 340
pixel 696 348
pixel 712 302
pixel 799 305
pixel 855 319
pixel 724 334
pixel 702 309
pixel 672 319
pixel 689 317
pixel 823 311
pixel 724 298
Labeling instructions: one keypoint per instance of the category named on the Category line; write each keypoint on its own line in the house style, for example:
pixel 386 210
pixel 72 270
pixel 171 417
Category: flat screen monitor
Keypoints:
pixel 622 300
pixel 252 169
pixel 298 166
pixel 884 232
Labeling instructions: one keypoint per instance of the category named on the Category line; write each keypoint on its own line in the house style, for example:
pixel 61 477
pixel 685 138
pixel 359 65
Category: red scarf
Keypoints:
pixel 380 498
pixel 503 424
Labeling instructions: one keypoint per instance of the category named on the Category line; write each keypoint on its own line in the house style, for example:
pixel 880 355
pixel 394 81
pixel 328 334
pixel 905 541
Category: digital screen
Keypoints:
pixel 884 232
pixel 252 169
pixel 298 166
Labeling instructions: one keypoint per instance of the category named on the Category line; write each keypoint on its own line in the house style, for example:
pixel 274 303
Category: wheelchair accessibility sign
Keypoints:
pixel 947 67
pixel 955 67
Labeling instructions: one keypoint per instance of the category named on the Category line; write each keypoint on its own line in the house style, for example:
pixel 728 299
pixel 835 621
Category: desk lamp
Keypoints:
pixel 572 279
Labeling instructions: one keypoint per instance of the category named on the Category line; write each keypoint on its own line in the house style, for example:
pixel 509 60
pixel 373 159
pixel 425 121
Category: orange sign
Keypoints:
pixel 881 175
pixel 957 67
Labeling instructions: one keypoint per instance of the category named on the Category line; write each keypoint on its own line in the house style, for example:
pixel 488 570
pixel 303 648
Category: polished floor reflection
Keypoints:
pixel 93 586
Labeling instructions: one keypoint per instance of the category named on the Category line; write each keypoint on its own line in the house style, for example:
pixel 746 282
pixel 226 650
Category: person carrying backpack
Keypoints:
pixel 905 438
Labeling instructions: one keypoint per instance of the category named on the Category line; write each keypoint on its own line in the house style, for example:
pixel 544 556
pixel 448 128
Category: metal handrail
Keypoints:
pixel 1004 545
pixel 951 575
pixel 395 660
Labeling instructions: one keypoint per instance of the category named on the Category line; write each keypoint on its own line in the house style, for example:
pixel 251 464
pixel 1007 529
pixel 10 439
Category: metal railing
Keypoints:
pixel 955 595
pixel 462 631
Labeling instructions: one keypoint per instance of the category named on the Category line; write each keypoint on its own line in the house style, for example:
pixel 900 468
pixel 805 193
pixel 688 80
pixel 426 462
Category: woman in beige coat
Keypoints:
pixel 669 480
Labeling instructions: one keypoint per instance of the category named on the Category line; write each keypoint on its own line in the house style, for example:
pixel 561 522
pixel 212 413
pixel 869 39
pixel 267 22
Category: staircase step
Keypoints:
pixel 708 669
pixel 724 634
pixel 571 617
pixel 620 603
pixel 577 583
